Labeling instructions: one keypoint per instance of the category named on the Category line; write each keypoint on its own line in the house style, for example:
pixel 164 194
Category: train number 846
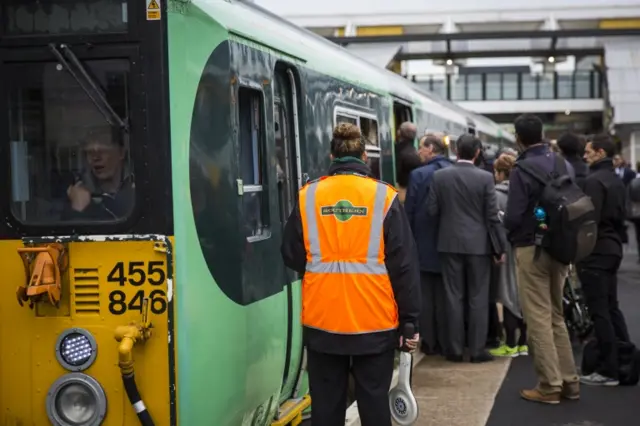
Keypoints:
pixel 136 274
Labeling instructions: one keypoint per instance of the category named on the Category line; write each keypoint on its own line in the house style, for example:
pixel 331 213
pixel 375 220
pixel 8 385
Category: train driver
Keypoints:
pixel 105 190
pixel 351 240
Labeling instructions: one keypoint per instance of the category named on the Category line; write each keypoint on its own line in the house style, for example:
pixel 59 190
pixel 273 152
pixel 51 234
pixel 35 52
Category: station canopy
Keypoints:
pixel 484 42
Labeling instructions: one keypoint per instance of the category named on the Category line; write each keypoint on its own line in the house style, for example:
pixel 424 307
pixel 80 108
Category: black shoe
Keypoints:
pixel 454 358
pixel 484 357
pixel 493 343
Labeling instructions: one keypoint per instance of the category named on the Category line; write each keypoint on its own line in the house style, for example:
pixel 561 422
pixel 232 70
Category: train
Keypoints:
pixel 153 152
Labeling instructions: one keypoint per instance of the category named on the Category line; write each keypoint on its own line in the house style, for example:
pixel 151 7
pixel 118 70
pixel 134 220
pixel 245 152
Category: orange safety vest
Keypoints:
pixel 346 287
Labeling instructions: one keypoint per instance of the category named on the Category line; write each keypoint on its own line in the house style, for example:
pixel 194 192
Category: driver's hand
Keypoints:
pixel 79 196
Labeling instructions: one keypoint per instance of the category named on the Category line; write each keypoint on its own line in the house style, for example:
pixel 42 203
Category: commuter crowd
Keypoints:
pixel 473 253
pixel 495 252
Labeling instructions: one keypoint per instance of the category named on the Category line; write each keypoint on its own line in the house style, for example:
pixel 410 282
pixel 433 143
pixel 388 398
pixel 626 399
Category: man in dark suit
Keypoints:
pixel 433 318
pixel 463 199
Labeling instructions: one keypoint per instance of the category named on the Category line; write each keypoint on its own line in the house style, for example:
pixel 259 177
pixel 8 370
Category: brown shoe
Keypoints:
pixel 536 396
pixel 571 391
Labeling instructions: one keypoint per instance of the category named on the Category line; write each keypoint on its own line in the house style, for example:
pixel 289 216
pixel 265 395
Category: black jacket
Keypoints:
pixel 580 168
pixel 400 260
pixel 407 159
pixel 524 193
pixel 607 192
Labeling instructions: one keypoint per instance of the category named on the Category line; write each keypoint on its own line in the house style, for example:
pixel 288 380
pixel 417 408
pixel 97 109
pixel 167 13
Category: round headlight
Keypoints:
pixel 76 400
pixel 76 349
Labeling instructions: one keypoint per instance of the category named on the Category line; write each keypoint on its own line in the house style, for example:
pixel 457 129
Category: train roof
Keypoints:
pixel 248 20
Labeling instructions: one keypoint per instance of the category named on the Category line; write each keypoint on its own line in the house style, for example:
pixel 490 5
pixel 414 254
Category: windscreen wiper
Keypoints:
pixel 84 79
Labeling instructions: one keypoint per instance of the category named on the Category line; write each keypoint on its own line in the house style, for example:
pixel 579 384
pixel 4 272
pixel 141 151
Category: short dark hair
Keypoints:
pixel 529 129
pixel 467 146
pixel 604 142
pixel 571 145
pixel 434 140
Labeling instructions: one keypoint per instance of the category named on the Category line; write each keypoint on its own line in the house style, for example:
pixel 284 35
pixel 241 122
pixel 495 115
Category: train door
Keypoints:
pixel 287 146
pixel 401 113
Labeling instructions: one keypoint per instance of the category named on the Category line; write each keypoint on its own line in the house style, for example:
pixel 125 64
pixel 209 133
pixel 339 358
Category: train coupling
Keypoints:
pixel 44 267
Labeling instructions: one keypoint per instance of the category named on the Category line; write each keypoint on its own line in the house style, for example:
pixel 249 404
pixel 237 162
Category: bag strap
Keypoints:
pixel 534 170
pixel 560 166
pixel 559 169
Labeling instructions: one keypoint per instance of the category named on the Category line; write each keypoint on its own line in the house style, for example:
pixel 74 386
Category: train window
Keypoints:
pixel 68 161
pixel 369 129
pixel 252 164
pixel 342 118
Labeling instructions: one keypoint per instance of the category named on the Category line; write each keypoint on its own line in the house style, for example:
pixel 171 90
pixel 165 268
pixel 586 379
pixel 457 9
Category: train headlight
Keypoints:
pixel 76 349
pixel 76 400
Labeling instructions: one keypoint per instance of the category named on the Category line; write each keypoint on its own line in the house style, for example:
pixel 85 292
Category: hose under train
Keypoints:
pixel 131 388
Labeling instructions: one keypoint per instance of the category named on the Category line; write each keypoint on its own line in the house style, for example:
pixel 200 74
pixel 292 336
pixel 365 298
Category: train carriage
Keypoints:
pixel 152 152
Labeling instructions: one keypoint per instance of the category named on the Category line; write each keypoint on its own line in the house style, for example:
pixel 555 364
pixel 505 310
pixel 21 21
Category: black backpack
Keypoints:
pixel 570 217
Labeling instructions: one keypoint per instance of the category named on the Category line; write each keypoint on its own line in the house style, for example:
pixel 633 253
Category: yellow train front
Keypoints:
pixel 75 333
pixel 86 309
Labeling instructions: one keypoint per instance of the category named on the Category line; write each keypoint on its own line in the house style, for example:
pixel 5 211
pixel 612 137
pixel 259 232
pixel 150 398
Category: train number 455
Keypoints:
pixel 137 274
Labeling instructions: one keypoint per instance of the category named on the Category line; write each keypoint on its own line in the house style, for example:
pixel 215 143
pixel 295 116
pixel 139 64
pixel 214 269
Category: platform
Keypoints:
pixel 488 394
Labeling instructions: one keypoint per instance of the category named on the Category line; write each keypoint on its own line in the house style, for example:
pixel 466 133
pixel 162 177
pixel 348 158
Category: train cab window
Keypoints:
pixel 252 164
pixel 69 157
pixel 37 17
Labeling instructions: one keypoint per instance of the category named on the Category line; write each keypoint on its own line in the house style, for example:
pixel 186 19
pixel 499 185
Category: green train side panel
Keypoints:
pixel 230 357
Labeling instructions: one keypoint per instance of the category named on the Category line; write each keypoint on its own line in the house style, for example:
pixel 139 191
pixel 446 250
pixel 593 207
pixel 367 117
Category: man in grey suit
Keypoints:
pixel 463 198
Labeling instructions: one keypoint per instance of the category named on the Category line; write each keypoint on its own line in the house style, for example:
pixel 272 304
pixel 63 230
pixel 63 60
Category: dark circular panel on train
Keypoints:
pixel 212 177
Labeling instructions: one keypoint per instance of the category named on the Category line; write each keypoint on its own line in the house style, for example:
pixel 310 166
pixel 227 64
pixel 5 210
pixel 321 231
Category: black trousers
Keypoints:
pixel 636 227
pixel 466 284
pixel 328 381
pixel 495 329
pixel 433 318
pixel 511 324
pixel 599 282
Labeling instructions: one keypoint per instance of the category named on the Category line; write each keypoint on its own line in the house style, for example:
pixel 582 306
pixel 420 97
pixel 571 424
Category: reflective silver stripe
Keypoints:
pixel 312 224
pixel 371 266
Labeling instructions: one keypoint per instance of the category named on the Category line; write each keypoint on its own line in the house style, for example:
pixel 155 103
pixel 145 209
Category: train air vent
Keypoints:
pixel 86 294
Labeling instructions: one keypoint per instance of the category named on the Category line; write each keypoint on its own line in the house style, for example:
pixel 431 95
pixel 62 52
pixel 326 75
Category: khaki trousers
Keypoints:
pixel 540 284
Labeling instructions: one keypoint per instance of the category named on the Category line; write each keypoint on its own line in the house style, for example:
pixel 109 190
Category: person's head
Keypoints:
pixel 506 150
pixel 431 145
pixel 468 147
pixel 502 167
pixel 571 145
pixel 406 132
pixel 347 142
pixel 618 161
pixel 528 130
pixel 105 152
pixel 599 147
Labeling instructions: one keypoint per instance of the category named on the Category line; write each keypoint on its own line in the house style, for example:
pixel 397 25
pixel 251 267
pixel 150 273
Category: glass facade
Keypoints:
pixel 514 86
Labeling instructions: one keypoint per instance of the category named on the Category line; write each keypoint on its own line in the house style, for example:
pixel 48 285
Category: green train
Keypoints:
pixel 152 152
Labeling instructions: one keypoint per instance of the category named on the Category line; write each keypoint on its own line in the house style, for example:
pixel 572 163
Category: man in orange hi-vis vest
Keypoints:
pixel 351 240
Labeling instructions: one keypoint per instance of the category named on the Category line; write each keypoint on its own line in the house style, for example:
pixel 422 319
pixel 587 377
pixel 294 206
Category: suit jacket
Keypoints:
pixel 425 228
pixel 463 197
